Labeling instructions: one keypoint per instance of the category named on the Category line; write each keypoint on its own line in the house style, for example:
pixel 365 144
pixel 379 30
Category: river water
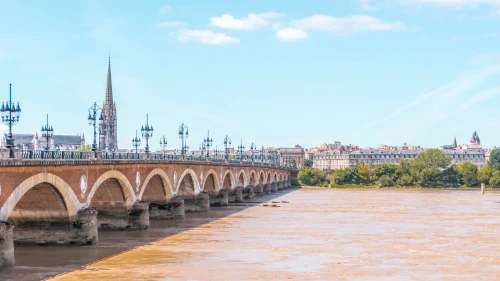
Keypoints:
pixel 311 234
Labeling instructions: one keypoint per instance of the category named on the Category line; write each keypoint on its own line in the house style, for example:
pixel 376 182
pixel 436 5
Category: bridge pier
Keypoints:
pixel 219 199
pixel 280 186
pixel 259 190
pixel 59 230
pixel 6 244
pixel 197 203
pixel 172 209
pixel 135 218
pixel 274 187
pixel 248 192
pixel 267 188
pixel 236 195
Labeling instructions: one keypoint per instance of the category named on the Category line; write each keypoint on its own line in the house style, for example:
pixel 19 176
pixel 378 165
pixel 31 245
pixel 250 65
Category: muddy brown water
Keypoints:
pixel 320 234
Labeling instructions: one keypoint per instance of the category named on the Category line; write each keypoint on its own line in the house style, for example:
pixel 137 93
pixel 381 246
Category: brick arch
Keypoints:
pixel 216 180
pixel 269 179
pixel 262 178
pixel 196 182
pixel 167 186
pixel 65 191
pixel 231 179
pixel 253 180
pixel 242 174
pixel 128 190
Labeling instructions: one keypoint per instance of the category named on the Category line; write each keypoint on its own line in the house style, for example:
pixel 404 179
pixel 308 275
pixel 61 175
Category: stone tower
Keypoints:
pixel 109 135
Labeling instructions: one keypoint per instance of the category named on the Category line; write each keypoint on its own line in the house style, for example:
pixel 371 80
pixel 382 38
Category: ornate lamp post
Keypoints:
pixel 136 142
pixel 47 133
pixel 93 110
pixel 262 155
pixel 216 151
pixel 252 148
pixel 241 149
pixel 147 133
pixel 207 142
pixel 227 144
pixel 183 135
pixel 163 143
pixel 10 117
pixel 202 148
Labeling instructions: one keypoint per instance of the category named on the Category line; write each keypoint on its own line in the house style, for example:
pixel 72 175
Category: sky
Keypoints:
pixel 275 72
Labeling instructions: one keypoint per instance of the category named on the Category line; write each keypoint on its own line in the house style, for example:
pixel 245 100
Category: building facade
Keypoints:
pixel 472 152
pixel 38 142
pixel 109 129
pixel 296 154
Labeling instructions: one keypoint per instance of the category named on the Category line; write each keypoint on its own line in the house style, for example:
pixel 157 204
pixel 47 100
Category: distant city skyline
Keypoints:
pixel 275 73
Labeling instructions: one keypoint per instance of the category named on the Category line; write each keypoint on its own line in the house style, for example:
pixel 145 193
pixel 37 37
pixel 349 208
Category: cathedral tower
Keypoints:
pixel 108 132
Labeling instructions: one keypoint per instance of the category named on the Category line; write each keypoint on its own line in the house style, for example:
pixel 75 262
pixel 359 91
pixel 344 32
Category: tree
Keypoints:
pixel 427 168
pixel 308 162
pixel 364 173
pixel 85 148
pixel 468 173
pixel 346 176
pixel 494 161
pixel 495 179
pixel 434 158
pixel 385 180
pixel 310 176
pixel 385 169
pixel 484 175
pixel 405 180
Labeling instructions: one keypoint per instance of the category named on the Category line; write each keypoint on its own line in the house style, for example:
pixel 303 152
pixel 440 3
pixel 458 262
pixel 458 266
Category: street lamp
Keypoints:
pixel 202 148
pixel 183 134
pixel 262 155
pixel 207 143
pixel 10 117
pixel 163 143
pixel 92 122
pixel 227 144
pixel 136 142
pixel 252 148
pixel 147 133
pixel 47 133
pixel 216 151
pixel 241 149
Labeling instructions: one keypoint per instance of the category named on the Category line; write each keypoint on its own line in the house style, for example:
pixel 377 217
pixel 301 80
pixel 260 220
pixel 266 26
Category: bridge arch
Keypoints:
pixel 228 181
pixel 242 178
pixel 268 177
pixel 126 187
pixel 253 180
pixel 64 190
pixel 275 177
pixel 188 182
pixel 165 180
pixel 213 180
pixel 262 179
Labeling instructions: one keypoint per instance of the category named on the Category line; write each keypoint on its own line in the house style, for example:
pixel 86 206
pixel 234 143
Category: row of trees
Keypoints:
pixel 431 168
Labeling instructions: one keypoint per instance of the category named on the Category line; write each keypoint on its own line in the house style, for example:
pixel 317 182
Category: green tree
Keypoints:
pixel 494 161
pixel 405 180
pixel 364 173
pixel 310 176
pixel 308 162
pixel 468 173
pixel 386 181
pixel 85 148
pixel 495 179
pixel 386 169
pixel 426 169
pixel 485 174
pixel 434 158
pixel 346 176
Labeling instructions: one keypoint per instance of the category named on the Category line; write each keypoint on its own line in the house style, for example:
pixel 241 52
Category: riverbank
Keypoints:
pixel 359 186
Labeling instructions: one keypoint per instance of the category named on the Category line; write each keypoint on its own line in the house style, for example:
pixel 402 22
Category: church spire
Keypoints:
pixel 455 143
pixel 109 86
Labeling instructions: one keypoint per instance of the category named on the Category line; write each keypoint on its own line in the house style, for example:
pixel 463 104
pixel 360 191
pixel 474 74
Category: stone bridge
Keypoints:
pixel 67 201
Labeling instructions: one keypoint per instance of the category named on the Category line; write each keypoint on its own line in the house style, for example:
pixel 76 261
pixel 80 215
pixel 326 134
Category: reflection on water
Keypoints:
pixel 321 234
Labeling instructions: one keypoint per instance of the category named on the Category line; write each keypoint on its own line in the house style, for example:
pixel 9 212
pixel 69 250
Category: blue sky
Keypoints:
pixel 274 72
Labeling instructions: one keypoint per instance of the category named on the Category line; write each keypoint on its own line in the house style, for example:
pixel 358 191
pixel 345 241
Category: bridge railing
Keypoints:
pixel 124 156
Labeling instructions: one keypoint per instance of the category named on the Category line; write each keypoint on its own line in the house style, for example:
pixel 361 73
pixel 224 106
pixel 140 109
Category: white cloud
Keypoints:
pixel 206 37
pixel 479 97
pixel 490 35
pixel 252 21
pixel 165 9
pixel 454 4
pixel 367 5
pixel 458 37
pixel 350 24
pixel 173 24
pixel 290 34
